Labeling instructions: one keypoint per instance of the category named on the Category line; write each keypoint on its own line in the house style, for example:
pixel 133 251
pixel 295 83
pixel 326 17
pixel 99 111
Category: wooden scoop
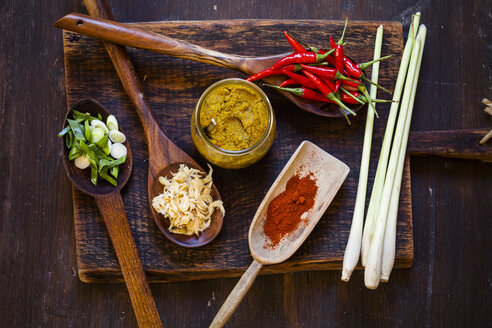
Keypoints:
pixel 330 174
pixel 164 156
pixel 123 34
pixel 110 204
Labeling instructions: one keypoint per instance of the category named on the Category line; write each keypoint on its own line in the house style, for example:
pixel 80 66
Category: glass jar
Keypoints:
pixel 232 159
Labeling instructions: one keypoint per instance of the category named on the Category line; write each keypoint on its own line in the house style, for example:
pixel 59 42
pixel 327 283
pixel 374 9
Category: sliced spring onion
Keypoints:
pixel 112 123
pixel 77 130
pixel 352 251
pixel 89 144
pixel 388 137
pixel 74 152
pixel 108 178
pixel 64 131
pixel 82 162
pixel 118 150
pixel 99 124
pixel 69 139
pixel 93 175
pixel 107 164
pixel 117 136
pixel 88 130
pixel 97 134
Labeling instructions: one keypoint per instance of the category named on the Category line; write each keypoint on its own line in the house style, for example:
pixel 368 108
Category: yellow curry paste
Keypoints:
pixel 240 113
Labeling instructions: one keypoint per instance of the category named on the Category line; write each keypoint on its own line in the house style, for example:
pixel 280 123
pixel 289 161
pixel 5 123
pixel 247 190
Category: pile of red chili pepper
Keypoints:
pixel 324 76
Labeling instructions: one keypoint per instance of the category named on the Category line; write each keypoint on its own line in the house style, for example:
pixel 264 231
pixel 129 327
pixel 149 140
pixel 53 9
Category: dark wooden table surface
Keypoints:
pixel 449 285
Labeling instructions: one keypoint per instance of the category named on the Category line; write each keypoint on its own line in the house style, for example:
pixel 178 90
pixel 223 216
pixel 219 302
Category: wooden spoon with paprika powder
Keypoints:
pixel 328 174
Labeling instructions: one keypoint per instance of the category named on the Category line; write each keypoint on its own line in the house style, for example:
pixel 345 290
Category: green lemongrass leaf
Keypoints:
pixel 389 243
pixel 353 249
pixel 372 273
pixel 377 188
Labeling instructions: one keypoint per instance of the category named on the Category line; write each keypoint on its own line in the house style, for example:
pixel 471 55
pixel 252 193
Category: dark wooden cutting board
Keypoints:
pixel 173 87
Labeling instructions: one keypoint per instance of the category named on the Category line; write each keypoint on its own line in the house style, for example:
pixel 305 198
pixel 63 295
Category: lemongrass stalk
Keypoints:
pixel 385 148
pixel 373 266
pixel 389 244
pixel 352 250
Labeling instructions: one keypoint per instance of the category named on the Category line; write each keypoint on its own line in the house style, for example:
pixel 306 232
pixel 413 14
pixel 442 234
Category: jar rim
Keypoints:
pixel 265 135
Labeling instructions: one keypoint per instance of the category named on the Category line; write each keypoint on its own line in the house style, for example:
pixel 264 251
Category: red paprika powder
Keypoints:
pixel 285 211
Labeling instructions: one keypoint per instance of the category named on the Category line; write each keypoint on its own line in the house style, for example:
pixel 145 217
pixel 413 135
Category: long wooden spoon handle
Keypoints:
pixel 129 78
pixel 108 30
pixel 237 294
pixel 450 143
pixel 113 211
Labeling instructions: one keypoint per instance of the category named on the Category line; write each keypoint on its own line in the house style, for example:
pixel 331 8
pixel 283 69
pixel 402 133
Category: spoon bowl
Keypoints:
pixel 164 155
pixel 209 234
pixel 127 35
pixel 110 203
pixel 82 178
pixel 329 174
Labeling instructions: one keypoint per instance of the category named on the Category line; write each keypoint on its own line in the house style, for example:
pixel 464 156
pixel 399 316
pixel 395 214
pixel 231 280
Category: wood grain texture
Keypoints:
pixel 173 87
pixel 164 156
pixel 449 282
pixel 113 211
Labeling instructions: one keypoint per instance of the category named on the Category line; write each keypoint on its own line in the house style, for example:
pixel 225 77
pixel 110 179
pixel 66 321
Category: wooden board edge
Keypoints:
pixel 267 21
pixel 115 276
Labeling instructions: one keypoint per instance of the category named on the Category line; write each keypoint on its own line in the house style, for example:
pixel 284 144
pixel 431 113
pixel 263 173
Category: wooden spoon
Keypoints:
pixel 123 34
pixel 164 156
pixel 110 204
pixel 330 174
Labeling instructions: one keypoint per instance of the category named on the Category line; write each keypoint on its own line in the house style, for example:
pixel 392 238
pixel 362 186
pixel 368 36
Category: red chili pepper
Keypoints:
pixel 305 93
pixel 351 100
pixel 328 72
pixel 320 85
pixel 325 90
pixel 264 73
pixel 293 42
pixel 292 68
pixel 349 88
pixel 355 70
pixel 302 80
pixel 328 82
pixel 329 59
pixel 300 58
pixel 339 58
pixel 332 43
pixel 289 82
pixel 351 84
pixel 351 68
pixel 357 98
pixel 338 83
